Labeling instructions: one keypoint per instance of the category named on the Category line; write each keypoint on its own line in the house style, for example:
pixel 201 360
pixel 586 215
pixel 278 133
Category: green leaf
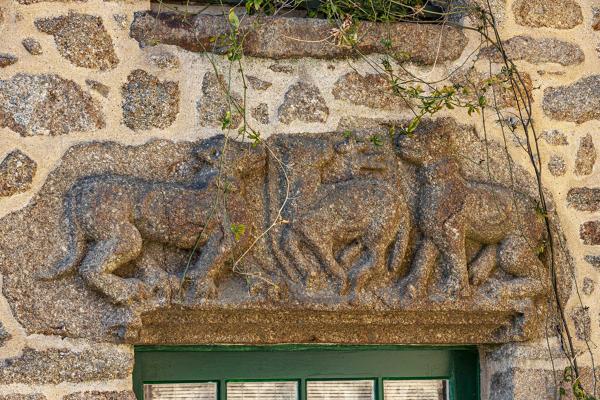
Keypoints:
pixel 233 19
pixel 238 231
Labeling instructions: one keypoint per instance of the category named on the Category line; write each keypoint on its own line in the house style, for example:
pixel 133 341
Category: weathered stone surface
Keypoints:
pixel 16 173
pixel 216 101
pixel 258 84
pixel 282 38
pixel 303 102
pixel 584 199
pixel 81 39
pixel 7 59
pixel 98 87
pixel 164 60
pixel 53 366
pixel 537 51
pixel 47 105
pixel 282 68
pixel 559 14
pixel 589 232
pixel 32 45
pixel 557 166
pixel 50 1
pixel 370 90
pixel 594 261
pixel 261 113
pixel 586 156
pixel 122 20
pixel 98 395
pixel 588 286
pixel 149 202
pixel 4 335
pixel 578 102
pixel 555 138
pixel 477 85
pixel 148 102
pixel 583 323
pixel 18 396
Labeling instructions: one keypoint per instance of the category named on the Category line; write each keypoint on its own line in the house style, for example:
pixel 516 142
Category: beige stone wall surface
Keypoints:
pixel 73 72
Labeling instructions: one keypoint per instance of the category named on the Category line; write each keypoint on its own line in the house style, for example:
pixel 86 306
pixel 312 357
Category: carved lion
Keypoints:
pixel 453 210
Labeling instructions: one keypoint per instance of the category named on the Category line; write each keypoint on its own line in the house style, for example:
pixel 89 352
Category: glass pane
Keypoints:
pixel 262 390
pixel 415 390
pixel 188 391
pixel 341 390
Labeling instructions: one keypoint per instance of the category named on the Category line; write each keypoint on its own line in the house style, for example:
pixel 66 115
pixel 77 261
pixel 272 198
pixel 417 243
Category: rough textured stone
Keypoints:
pixel 370 90
pixel 583 323
pixel 47 105
pixel 584 199
pixel 122 20
pixel 164 60
pixel 586 156
pixel 588 286
pixel 98 87
pixel 81 39
pixel 258 84
pixel 578 102
pixel 98 395
pixel 559 14
pixel 16 173
pixel 282 68
pixel 50 1
pixel 589 232
pixel 537 51
pixel 32 45
pixel 594 261
pixel 261 113
pixel 557 166
pixel 4 335
pixel 171 185
pixel 282 37
pixel 53 366
pixel 18 396
pixel 555 138
pixel 477 84
pixel 303 102
pixel 214 103
pixel 7 59
pixel 149 103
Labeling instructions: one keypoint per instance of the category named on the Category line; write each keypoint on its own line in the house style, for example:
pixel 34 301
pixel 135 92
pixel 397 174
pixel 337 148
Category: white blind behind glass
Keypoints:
pixel 180 391
pixel 341 390
pixel 415 389
pixel 287 390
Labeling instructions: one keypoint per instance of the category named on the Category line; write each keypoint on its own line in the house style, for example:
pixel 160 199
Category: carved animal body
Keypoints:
pixel 453 210
pixel 110 216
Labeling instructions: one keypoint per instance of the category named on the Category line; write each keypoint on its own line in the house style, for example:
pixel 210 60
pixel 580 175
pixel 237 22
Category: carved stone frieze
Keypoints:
pixel 361 238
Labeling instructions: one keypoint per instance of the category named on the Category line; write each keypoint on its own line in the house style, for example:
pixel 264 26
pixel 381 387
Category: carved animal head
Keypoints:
pixel 240 158
pixel 431 142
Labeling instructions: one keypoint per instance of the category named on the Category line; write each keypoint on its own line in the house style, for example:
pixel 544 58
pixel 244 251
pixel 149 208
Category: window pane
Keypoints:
pixel 262 390
pixel 415 390
pixel 342 390
pixel 188 391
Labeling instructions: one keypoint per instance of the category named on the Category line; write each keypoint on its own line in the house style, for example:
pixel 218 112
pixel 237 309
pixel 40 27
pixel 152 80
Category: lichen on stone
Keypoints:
pixel 303 102
pixel 16 173
pixel 148 102
pixel 82 39
pixel 47 105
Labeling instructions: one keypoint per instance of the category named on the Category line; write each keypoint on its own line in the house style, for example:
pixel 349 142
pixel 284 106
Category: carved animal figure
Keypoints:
pixel 364 211
pixel 109 218
pixel 452 210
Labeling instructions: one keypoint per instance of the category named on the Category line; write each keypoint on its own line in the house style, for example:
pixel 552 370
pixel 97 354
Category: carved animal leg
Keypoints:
pixel 517 258
pixel 209 265
pixel 294 268
pixel 451 244
pixel 481 268
pixel 422 265
pixel 105 256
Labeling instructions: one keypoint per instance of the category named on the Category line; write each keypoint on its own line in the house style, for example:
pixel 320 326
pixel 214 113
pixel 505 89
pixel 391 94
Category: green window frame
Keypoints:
pixel 301 363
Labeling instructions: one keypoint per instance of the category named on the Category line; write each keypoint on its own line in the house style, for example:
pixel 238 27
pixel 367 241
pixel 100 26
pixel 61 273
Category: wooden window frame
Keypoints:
pixel 223 363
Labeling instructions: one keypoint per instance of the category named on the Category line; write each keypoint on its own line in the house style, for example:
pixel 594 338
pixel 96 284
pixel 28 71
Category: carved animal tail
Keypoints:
pixel 75 246
pixel 400 246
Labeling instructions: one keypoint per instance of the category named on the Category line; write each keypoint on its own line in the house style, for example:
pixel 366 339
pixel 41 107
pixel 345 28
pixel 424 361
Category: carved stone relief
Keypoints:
pixel 421 233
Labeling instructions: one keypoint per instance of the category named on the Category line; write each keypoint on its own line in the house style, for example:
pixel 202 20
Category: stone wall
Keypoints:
pixel 77 72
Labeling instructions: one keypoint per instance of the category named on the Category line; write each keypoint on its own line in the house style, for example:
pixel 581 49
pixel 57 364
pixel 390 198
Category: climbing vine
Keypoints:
pixel 480 98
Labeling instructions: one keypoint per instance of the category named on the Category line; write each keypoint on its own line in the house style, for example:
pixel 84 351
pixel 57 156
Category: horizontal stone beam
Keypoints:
pixel 292 38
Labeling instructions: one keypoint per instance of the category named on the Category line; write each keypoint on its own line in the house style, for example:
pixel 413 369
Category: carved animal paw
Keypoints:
pixel 205 288
pixel 128 291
